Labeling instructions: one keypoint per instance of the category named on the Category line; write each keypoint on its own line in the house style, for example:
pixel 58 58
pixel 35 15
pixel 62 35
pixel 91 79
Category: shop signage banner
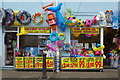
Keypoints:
pixel 39 62
pixel 77 30
pixel 19 62
pixel 36 29
pixel 82 63
pixel 28 62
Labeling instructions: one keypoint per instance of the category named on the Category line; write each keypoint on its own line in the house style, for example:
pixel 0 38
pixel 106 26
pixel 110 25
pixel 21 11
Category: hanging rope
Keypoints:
pixel 78 8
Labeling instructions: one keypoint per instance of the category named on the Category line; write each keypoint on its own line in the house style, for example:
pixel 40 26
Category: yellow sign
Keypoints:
pixel 85 30
pixel 82 63
pixel 19 62
pixel 39 62
pixel 37 29
pixel 28 62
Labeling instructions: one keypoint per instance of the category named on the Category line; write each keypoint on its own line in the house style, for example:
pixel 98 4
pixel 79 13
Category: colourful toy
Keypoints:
pixel 28 17
pixel 60 43
pixel 88 23
pixel 97 52
pixel 16 23
pixel 38 15
pixel 109 16
pixel 53 34
pixel 51 19
pixel 102 46
pixel 60 19
pixel 63 36
pixel 9 17
pixel 67 48
pixel 52 48
pixel 115 19
pixel 72 20
pixel 96 20
pixel 95 49
pixel 98 45
pixel 80 23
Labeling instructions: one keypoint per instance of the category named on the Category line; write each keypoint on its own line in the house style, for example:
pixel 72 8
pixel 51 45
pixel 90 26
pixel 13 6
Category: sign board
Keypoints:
pixel 19 62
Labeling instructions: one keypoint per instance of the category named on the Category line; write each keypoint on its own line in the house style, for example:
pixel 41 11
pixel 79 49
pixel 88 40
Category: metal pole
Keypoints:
pixel 44 75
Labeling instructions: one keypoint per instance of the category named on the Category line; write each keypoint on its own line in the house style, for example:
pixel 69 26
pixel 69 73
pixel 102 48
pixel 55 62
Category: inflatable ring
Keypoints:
pixel 3 15
pixel 63 35
pixel 10 15
pixel 37 15
pixel 53 34
pixel 28 17
pixel 16 23
pixel 68 48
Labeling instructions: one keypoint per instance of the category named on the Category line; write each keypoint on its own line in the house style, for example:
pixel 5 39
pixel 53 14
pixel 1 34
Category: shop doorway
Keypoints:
pixel 10 42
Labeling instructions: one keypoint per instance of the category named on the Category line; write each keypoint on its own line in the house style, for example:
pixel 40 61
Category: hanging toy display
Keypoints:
pixel 67 14
pixel 27 15
pixel 67 47
pixel 38 15
pixel 72 21
pixel 96 20
pixel 51 19
pixel 60 19
pixel 3 16
pixel 16 23
pixel 109 17
pixel 61 36
pixel 60 43
pixel 9 17
pixel 80 23
pixel 88 23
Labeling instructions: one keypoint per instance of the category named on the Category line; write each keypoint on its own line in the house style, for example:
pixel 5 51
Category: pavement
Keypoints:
pixel 13 74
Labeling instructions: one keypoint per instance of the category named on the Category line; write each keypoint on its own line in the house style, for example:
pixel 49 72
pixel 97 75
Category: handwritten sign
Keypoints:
pixel 82 63
pixel 85 30
pixel 19 62
pixel 36 29
pixel 28 62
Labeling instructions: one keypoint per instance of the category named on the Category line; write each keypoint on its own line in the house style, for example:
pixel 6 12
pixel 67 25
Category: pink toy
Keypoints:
pixel 97 52
pixel 52 48
pixel 88 35
pixel 88 23
pixel 60 43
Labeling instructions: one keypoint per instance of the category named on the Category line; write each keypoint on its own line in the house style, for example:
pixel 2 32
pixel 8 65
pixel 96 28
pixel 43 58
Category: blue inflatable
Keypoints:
pixel 98 45
pixel 53 34
pixel 60 19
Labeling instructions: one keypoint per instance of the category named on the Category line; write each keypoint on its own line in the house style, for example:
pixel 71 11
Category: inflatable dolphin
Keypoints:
pixel 60 19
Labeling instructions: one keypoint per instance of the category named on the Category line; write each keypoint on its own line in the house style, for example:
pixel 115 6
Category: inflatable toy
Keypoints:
pixel 67 14
pixel 97 52
pixel 38 15
pixel 101 16
pixel 72 21
pixel 102 46
pixel 115 19
pixel 88 23
pixel 80 23
pixel 22 31
pixel 67 48
pixel 95 49
pixel 2 16
pixel 28 17
pixel 98 45
pixel 16 23
pixel 52 48
pixel 96 20
pixel 91 55
pixel 51 19
pixel 60 19
pixel 51 37
pixel 9 17
pixel 104 57
pixel 88 35
pixel 109 16
pixel 63 36
pixel 60 43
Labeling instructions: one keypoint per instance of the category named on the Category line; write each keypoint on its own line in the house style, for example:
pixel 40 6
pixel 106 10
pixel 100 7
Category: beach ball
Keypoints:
pixel 88 35
pixel 80 23
pixel 88 23
pixel 102 46
pixel 72 20
pixel 95 49
pixel 97 52
pixel 98 45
